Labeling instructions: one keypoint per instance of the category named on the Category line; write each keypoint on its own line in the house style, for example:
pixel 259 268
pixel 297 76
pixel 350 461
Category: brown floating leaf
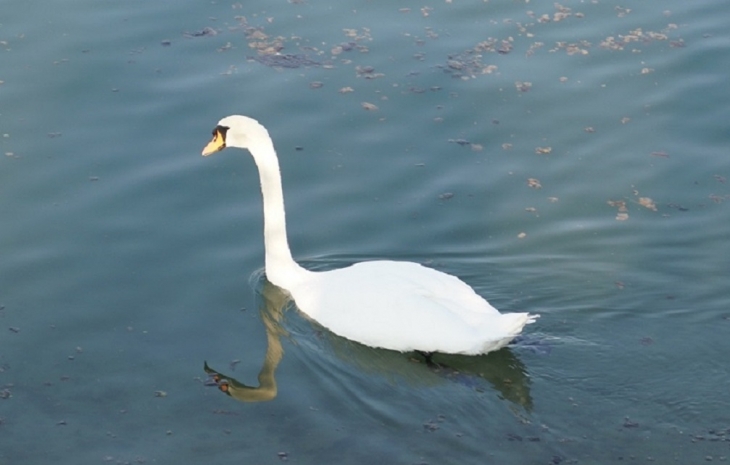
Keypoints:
pixel 648 203
pixel 622 214
pixel 620 204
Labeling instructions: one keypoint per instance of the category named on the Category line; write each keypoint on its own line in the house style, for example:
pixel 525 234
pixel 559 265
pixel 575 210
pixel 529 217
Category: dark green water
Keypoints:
pixel 572 165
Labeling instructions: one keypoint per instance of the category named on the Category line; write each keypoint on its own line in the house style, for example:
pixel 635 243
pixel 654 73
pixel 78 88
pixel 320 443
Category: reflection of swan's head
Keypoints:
pixel 236 131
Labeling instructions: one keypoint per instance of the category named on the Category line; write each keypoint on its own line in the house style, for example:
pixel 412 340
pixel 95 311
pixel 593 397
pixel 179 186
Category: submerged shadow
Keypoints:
pixel 502 370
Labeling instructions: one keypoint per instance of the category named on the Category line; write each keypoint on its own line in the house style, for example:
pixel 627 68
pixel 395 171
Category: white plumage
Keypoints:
pixel 395 305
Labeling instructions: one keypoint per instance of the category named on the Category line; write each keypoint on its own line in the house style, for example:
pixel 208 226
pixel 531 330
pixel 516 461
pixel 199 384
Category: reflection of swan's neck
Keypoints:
pixel 274 302
pixel 281 269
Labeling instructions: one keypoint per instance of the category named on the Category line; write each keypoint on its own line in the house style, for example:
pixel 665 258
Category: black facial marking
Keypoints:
pixel 222 130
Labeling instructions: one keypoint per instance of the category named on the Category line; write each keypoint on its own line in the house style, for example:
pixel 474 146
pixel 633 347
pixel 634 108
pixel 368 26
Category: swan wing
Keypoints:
pixel 405 306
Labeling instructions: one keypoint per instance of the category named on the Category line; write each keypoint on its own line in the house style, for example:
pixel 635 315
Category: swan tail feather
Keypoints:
pixel 513 323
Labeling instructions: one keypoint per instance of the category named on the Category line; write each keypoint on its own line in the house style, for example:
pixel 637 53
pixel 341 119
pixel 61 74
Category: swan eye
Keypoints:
pixel 218 142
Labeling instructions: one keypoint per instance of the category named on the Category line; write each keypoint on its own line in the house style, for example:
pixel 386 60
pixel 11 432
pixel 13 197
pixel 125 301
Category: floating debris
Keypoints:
pixel 367 72
pixel 205 32
pixel 622 214
pixel 430 426
pixel 505 47
pixel 647 203
pixel 534 183
pixel 523 86
pixel 677 207
pixel 543 150
pixel 287 60
pixel 659 154
pixel 343 47
pixel 369 106
pixel 630 424
pixel 363 34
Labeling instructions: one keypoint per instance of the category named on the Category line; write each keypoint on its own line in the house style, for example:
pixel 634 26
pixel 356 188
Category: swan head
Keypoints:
pixel 235 131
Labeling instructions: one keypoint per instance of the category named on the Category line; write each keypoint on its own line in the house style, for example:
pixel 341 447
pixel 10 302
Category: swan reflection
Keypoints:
pixel 272 309
pixel 502 370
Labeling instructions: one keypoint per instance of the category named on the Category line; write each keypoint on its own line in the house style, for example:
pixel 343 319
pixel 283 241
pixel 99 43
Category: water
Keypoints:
pixel 128 260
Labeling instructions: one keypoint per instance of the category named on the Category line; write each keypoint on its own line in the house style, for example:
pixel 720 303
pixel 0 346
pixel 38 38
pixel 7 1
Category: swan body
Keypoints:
pixel 395 305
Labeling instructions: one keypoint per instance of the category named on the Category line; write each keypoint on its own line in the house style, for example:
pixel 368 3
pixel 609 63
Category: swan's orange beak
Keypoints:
pixel 217 144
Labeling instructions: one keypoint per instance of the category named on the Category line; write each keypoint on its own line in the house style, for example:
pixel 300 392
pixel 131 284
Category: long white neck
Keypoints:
pixel 281 269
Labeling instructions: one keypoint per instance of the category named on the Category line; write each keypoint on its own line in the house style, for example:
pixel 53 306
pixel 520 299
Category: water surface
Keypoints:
pixel 568 160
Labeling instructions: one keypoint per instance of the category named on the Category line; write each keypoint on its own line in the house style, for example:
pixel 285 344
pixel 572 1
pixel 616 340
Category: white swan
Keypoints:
pixel 400 306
